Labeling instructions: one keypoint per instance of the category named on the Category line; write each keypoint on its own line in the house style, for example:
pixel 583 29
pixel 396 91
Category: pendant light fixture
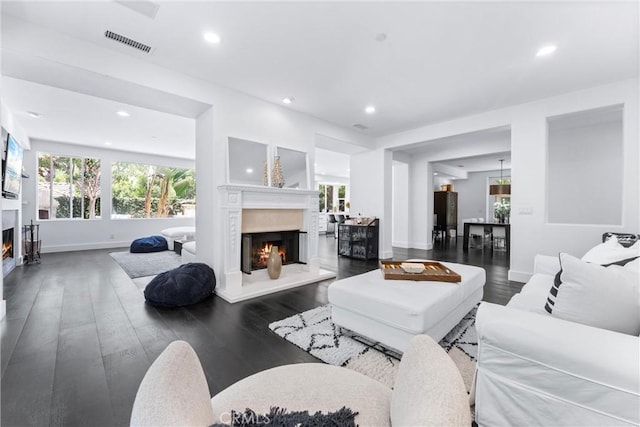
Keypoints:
pixel 500 189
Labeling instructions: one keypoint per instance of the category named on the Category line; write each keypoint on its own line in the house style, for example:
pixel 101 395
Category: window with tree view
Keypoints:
pixel 149 191
pixel 68 187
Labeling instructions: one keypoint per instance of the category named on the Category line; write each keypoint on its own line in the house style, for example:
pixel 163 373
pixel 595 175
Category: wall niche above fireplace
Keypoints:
pixel 267 165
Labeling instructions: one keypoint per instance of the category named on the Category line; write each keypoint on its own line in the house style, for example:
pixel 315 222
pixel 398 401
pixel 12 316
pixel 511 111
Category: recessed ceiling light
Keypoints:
pixel 380 37
pixel 212 38
pixel 453 178
pixel 370 109
pixel 460 166
pixel 249 170
pixel 435 173
pixel 123 113
pixel 546 50
pixel 33 114
pixel 288 100
pixel 107 143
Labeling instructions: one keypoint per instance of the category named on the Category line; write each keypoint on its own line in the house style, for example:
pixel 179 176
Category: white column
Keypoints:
pixel 206 193
pixel 231 238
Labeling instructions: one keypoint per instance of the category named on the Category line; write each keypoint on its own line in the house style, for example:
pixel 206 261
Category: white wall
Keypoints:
pixel 438 181
pixel 11 124
pixel 585 174
pixel 530 232
pixel 371 187
pixel 72 235
pixel 400 201
pixel 421 204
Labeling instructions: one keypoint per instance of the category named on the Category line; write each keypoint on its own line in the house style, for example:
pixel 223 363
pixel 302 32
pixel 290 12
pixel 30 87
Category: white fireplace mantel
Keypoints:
pixel 237 286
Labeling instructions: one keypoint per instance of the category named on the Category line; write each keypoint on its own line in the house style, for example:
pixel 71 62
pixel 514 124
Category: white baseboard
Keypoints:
pixel 519 276
pixel 385 254
pixel 85 246
pixel 421 245
pixel 400 244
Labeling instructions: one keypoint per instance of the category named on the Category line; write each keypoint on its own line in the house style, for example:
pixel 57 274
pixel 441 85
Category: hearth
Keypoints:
pixel 256 248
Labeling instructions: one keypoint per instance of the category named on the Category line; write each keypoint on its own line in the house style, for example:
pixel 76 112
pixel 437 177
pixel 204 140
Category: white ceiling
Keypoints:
pixel 330 164
pixel 440 60
pixel 487 162
pixel 72 117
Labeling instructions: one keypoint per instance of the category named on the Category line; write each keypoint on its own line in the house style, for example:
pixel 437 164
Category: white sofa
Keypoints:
pixel 188 253
pixel 536 369
pixel 176 233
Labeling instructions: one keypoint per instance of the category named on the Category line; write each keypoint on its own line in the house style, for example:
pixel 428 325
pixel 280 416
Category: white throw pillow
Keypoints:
pixel 633 266
pixel 611 251
pixel 604 297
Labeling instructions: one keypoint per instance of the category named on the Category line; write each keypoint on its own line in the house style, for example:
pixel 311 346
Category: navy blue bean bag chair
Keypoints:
pixel 149 244
pixel 185 285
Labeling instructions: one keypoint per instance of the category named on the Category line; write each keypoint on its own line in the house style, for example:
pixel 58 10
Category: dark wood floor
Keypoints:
pixel 78 336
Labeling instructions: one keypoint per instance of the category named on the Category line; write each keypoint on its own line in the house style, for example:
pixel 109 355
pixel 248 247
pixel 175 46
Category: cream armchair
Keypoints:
pixel 428 391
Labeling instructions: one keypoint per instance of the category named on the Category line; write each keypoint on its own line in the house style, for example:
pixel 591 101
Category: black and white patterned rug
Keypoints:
pixel 314 332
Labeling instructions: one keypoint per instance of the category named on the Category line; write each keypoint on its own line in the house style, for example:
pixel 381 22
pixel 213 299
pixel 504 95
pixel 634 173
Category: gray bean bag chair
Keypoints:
pixel 185 285
pixel 149 244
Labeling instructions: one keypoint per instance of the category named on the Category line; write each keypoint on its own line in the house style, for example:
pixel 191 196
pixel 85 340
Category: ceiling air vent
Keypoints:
pixel 360 126
pixel 126 40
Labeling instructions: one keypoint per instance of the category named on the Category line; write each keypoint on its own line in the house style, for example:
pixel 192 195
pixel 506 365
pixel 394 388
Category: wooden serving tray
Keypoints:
pixel 434 271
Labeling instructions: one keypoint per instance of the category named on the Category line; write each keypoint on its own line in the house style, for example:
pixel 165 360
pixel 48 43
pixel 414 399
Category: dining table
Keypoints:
pixel 488 226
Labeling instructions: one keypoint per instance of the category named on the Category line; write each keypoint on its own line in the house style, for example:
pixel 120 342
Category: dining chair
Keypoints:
pixel 499 238
pixel 476 232
pixel 332 220
pixel 340 219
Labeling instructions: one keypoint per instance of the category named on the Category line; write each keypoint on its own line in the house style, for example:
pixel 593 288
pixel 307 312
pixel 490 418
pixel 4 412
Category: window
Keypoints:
pixel 333 198
pixel 150 191
pixel 322 197
pixel 68 187
pixel 500 205
pixel 341 197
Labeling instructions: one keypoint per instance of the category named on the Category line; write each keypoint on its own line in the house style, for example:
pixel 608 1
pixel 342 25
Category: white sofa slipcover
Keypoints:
pixel 177 233
pixel 536 369
pixel 188 253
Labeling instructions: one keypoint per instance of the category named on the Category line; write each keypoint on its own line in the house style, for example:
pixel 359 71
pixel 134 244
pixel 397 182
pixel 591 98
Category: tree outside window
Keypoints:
pixel 327 202
pixel 342 193
pixel 150 191
pixel 322 197
pixel 68 187
pixel 329 198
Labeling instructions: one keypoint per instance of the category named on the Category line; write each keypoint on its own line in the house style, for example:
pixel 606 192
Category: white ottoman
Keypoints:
pixel 188 252
pixel 177 233
pixel 393 311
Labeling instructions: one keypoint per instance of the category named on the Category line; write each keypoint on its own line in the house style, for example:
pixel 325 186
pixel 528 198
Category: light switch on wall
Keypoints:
pixel 528 210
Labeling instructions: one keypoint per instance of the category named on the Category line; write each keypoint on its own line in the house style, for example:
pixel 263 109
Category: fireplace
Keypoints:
pixel 256 247
pixel 7 244
pixel 251 209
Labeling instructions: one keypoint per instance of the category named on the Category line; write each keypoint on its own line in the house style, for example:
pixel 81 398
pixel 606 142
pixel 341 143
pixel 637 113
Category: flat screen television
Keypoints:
pixel 12 169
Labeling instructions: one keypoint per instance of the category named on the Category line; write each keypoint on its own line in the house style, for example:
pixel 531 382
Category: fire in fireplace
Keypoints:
pixel 7 243
pixel 256 248
pixel 263 253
